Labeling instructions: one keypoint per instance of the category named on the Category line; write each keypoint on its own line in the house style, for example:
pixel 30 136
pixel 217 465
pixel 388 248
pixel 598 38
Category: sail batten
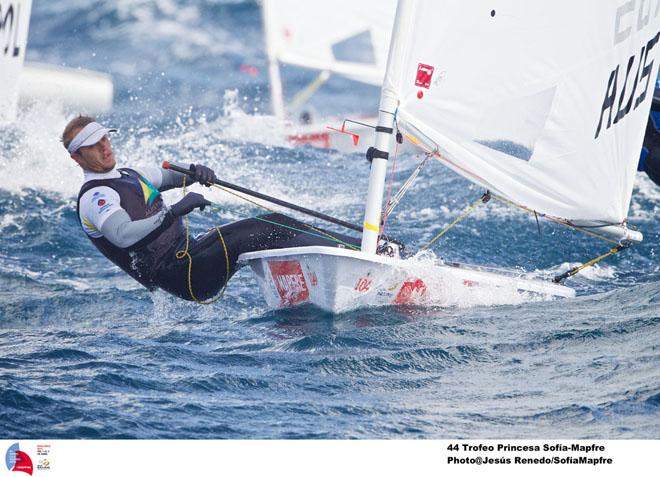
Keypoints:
pixel 545 104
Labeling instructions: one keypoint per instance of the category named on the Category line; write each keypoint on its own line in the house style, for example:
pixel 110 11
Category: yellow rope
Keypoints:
pixel 181 254
pixel 483 199
pixel 576 270
pixel 558 278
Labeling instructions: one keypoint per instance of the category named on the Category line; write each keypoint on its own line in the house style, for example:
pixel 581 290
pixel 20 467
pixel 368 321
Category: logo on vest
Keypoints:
pixel 149 192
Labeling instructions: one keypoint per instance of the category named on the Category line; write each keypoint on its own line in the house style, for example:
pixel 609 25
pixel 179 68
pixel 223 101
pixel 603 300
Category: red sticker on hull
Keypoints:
pixel 411 292
pixel 289 281
pixel 363 285
pixel 321 140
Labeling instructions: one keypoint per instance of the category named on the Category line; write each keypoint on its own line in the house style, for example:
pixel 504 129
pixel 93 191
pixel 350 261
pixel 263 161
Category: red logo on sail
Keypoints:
pixel 424 75
pixel 289 281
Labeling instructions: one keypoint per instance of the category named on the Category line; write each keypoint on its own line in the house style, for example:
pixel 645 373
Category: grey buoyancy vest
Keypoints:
pixel 140 200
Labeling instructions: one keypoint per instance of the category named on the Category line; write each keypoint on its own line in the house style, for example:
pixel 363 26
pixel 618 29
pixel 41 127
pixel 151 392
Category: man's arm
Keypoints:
pixel 123 232
pixel 172 179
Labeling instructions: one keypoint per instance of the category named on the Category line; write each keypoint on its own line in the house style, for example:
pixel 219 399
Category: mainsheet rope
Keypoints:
pixel 557 279
pixel 575 270
pixel 181 254
pixel 468 210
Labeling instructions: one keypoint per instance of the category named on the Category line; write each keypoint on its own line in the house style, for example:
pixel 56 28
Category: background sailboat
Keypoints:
pixel 22 82
pixel 556 130
pixel 649 160
pixel 14 20
pixel 342 38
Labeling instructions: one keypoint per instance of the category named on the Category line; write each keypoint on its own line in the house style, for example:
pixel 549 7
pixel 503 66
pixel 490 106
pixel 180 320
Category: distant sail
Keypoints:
pixel 346 37
pixel 543 103
pixel 14 23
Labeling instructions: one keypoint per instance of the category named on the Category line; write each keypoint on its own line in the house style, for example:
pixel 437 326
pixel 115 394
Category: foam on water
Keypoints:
pixel 237 125
pixel 595 273
pixel 31 155
pixel 450 290
pixel 645 204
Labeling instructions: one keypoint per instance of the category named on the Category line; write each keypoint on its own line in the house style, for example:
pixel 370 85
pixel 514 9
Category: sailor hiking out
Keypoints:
pixel 122 212
pixel 649 160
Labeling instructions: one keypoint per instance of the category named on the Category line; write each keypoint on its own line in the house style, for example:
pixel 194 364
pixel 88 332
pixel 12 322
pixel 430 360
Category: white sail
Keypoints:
pixel 14 23
pixel 346 38
pixel 343 36
pixel 544 103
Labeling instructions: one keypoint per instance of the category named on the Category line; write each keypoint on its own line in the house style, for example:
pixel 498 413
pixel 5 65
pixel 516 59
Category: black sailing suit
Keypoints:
pixel 152 261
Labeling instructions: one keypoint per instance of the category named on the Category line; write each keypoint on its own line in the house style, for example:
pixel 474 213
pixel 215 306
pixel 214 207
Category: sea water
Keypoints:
pixel 85 352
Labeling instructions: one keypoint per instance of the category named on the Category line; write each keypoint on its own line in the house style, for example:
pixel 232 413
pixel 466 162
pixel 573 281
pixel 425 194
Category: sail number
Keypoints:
pixel 619 98
pixel 9 21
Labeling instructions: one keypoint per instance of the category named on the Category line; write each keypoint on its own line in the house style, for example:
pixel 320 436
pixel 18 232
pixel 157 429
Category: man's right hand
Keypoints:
pixel 190 201
pixel 202 174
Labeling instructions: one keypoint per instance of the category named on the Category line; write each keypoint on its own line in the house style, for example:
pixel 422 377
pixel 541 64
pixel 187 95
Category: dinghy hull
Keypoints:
pixel 355 138
pixel 340 280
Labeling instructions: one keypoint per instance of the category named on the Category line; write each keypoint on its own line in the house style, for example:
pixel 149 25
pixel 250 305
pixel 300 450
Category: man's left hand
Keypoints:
pixel 204 175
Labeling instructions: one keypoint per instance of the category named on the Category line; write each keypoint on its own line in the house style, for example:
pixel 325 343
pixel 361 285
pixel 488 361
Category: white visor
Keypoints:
pixel 88 136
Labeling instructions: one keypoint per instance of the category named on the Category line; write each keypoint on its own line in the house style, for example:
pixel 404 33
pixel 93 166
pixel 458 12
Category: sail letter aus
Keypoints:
pixel 9 20
pixel 619 97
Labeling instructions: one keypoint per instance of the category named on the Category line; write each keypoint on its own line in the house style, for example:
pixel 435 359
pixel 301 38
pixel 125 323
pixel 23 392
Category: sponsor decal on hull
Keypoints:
pixel 363 285
pixel 412 291
pixel 289 281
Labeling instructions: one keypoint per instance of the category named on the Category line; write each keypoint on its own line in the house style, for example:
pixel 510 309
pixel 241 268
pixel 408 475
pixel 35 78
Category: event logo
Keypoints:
pixel 17 460
pixel 43 453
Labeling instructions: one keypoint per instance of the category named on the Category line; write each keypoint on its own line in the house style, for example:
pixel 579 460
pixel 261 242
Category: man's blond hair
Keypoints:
pixel 72 128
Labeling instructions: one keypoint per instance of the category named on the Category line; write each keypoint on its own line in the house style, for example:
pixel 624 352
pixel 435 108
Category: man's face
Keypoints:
pixel 96 158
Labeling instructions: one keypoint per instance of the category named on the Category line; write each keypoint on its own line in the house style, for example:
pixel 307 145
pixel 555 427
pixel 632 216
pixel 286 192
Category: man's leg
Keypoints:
pixel 209 252
pixel 274 231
